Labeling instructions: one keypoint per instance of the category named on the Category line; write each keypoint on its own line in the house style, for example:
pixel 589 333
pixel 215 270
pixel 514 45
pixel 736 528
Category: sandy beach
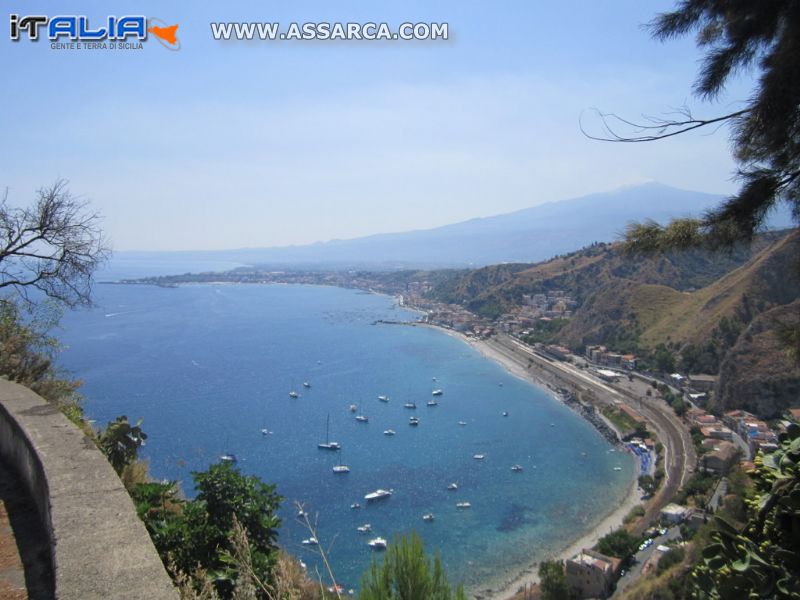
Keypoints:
pixel 611 521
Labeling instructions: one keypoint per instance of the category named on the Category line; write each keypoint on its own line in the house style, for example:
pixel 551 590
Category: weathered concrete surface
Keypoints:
pixel 100 548
pixel 25 556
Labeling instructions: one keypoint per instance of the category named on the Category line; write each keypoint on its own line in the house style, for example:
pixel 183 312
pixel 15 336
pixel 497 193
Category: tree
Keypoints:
pixel 54 246
pixel 665 361
pixel 27 349
pixel 619 543
pixel 761 36
pixel 201 534
pixel 120 442
pixel 553 581
pixel 407 574
pixel 648 484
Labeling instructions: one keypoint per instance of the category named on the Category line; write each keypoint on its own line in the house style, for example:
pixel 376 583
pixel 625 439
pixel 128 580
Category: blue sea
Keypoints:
pixel 207 367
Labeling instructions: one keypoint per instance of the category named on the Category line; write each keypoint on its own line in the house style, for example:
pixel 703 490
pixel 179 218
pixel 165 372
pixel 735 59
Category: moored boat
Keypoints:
pixel 378 494
pixel 377 543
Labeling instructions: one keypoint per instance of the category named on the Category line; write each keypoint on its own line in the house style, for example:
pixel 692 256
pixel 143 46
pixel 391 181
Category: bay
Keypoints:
pixel 208 366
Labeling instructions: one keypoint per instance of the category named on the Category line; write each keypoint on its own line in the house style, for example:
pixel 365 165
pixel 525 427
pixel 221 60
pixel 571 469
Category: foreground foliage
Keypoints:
pixel 553 581
pixel 200 536
pixel 27 350
pixel 407 574
pixel 763 559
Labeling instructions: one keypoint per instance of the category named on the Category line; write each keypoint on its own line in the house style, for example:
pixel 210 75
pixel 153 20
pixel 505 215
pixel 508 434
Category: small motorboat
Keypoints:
pixel 433 403
pixel 355 506
pixel 312 541
pixel 341 469
pixel 411 405
pixel 437 392
pixel 378 495
pixel 389 432
pixel 452 487
pixel 383 398
pixel 413 421
pixel 428 518
pixel 478 456
pixel 362 418
pixel 462 423
pixel 306 384
pixel 516 468
pixel 463 505
pixel 293 394
pixel 505 413
pixel 366 527
pixel 228 457
pixel 377 543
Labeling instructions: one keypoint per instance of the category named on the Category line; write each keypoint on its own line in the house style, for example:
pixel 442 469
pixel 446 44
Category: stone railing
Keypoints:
pixel 99 546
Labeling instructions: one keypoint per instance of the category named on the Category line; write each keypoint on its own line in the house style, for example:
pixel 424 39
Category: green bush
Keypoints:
pixel 670 558
pixel 619 543
pixel 553 581
pixel 407 574
pixel 199 534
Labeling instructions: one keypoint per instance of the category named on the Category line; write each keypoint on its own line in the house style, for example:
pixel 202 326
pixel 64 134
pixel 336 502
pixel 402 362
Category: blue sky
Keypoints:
pixel 244 144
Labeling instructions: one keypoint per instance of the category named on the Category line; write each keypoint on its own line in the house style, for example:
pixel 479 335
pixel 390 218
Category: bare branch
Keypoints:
pixel 54 246
pixel 654 128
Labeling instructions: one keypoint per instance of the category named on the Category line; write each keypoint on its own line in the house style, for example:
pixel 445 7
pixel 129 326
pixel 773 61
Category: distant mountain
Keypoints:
pixel 528 235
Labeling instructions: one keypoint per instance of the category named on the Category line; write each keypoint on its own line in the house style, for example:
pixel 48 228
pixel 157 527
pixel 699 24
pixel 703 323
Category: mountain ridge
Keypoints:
pixel 527 235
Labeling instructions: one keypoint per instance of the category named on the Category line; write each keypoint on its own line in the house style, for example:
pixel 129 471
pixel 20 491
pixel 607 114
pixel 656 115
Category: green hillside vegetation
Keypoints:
pixel 582 274
pixel 754 287
pixel 695 311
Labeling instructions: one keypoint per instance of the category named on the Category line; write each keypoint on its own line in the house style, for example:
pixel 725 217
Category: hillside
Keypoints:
pixel 701 312
pixel 758 374
pixel 584 275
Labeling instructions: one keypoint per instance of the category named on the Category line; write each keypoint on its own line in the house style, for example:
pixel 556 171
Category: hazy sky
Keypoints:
pixel 235 144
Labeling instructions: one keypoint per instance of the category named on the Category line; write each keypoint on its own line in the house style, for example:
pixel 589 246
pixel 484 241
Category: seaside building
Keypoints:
pixel 592 574
pixel 558 352
pixel 717 432
pixel 607 375
pixel 601 356
pixel 702 383
pixel 674 513
pixel 721 458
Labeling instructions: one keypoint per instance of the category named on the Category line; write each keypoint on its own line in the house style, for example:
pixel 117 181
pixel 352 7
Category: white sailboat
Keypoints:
pixel 328 444
pixel 341 468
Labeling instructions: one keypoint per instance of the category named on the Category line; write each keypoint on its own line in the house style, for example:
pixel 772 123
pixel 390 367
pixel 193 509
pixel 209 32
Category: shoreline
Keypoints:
pixel 612 520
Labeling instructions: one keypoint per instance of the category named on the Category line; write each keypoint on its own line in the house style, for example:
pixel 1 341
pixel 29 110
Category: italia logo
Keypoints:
pixel 77 28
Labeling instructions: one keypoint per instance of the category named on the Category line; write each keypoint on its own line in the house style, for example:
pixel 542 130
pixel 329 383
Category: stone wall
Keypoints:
pixel 99 547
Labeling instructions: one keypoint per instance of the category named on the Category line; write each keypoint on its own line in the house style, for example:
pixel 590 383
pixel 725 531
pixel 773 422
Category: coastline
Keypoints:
pixel 613 519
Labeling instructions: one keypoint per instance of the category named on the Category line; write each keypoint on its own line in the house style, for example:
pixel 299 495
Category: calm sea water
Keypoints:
pixel 208 366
